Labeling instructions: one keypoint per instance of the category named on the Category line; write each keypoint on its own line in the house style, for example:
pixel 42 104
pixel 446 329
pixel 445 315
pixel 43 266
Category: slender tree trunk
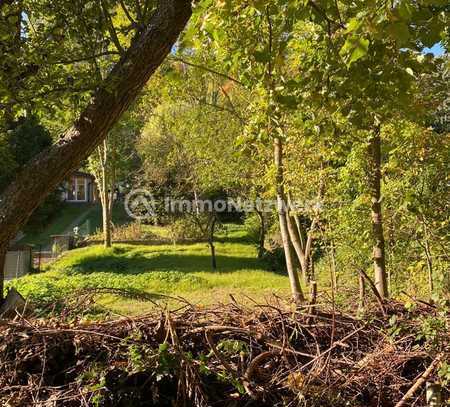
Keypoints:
pixel 262 234
pixel 211 242
pixel 106 219
pixel 2 273
pixel 114 95
pixel 429 265
pixel 282 215
pixel 333 264
pixel 300 230
pixel 312 269
pixel 197 208
pixel 362 292
pixel 106 193
pixel 379 259
pixel 296 243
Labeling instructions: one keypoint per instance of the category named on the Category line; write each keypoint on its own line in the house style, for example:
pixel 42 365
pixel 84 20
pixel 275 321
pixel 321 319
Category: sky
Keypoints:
pixel 437 50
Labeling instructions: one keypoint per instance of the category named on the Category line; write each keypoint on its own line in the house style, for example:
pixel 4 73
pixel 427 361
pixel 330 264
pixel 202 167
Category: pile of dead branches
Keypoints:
pixel 230 355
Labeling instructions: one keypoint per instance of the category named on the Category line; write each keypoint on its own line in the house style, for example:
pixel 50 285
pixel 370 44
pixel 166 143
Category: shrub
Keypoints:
pixel 184 229
pixel 130 232
pixel 252 226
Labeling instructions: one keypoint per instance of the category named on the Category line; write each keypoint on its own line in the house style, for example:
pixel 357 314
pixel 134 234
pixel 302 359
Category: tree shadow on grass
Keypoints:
pixel 138 263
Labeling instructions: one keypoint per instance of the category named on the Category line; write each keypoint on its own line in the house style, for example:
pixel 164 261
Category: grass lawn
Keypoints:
pixel 94 218
pixel 174 270
pixel 68 214
pixel 63 220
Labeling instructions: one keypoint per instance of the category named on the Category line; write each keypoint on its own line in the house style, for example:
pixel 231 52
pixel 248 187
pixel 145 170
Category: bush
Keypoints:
pixel 252 227
pixel 184 229
pixel 131 232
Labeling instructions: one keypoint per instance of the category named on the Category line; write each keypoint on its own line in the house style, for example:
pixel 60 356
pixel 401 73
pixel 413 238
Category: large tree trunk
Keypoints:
pixel 282 216
pixel 379 260
pixel 44 173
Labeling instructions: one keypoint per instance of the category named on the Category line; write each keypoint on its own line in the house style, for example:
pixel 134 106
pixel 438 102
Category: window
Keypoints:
pixel 77 189
pixel 81 189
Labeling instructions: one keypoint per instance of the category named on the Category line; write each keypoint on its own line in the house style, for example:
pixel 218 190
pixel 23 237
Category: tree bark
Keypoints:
pixel 297 235
pixel 379 259
pixel 105 186
pixel 262 234
pixel 114 95
pixel 211 242
pixel 106 221
pixel 282 216
pixel 297 244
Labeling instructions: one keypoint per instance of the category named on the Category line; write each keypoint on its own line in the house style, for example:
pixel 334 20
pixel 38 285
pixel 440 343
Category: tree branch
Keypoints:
pixel 111 29
pixel 85 58
pixel 210 70
pixel 127 13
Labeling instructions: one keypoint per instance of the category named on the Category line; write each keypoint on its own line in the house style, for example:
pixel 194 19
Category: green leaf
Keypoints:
pixel 353 25
pixel 354 48
pixel 261 56
pixel 400 32
pixel 360 50
pixel 288 101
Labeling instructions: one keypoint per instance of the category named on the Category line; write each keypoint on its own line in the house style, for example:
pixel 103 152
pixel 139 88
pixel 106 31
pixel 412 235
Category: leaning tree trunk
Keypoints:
pixel 115 94
pixel 282 216
pixel 379 259
pixel 298 247
pixel 301 246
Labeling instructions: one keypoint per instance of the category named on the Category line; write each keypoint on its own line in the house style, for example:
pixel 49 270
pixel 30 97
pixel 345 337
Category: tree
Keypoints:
pixel 114 96
pixel 112 164
pixel 188 152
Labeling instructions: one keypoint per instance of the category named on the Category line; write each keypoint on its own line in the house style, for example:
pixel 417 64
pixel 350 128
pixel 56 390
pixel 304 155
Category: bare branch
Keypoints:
pixel 210 70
